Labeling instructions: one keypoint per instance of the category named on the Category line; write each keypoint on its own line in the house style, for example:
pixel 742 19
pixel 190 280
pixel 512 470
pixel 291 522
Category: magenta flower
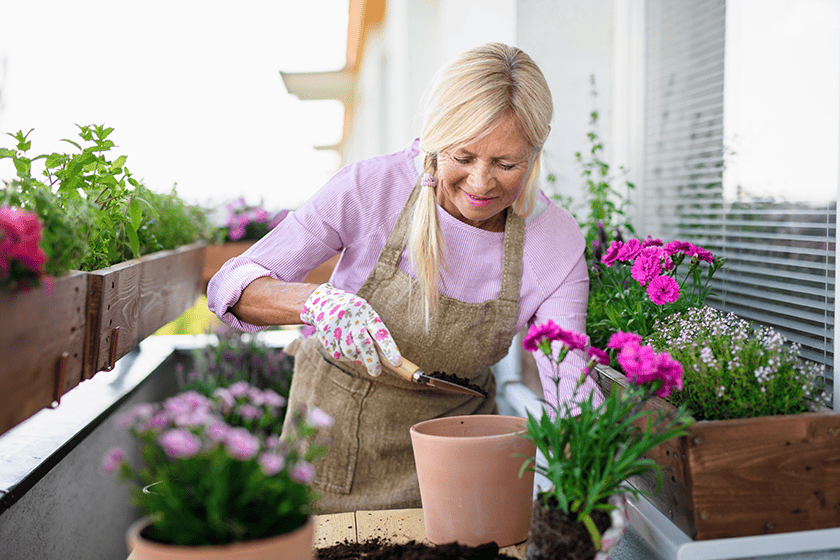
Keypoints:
pixel 663 289
pixel 538 333
pixel 621 339
pixel 575 341
pixel 611 255
pixel 670 371
pixel 639 363
pixel 381 334
pixel 112 459
pixel 648 265
pixel 271 463
pixel 598 355
pixel 651 242
pixel 241 444
pixel 179 443
pixel 629 250
pixel 303 472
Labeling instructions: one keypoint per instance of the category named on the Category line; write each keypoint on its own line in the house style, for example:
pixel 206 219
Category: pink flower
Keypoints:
pixel 113 459
pixel 651 242
pixel 337 333
pixel 538 333
pixel 598 355
pixel 334 309
pixel 648 265
pixel 225 397
pixel 272 398
pixel 271 463
pixel 575 341
pixel 663 289
pixel 318 418
pixel 303 472
pixel 639 363
pixel 629 250
pixel 241 444
pixel 249 412
pixel 341 314
pixel 239 389
pixel 621 339
pixel 670 371
pixel 611 255
pixel 217 431
pixel 179 443
pixel 381 334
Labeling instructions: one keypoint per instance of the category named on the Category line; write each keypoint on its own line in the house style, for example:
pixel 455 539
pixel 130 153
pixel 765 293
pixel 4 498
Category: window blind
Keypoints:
pixel 780 254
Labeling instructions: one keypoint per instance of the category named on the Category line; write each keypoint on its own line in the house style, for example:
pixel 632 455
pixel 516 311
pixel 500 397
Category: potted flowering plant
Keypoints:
pixel 591 450
pixel 639 281
pixel 216 478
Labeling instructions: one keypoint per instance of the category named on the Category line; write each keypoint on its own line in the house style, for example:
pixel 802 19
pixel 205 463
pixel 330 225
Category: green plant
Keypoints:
pixel 94 212
pixel 214 470
pixel 735 369
pixel 590 449
pixel 236 357
pixel 638 282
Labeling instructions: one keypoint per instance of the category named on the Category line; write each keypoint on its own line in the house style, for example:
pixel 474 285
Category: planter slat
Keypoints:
pixel 138 296
pixel 738 478
pixel 39 327
pixel 218 254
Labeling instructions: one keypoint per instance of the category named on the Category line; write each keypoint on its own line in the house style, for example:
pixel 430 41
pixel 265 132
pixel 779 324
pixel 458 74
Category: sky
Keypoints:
pixel 192 89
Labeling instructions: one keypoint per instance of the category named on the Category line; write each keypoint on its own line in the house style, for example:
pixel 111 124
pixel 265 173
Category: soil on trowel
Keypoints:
pixel 452 378
pixel 378 549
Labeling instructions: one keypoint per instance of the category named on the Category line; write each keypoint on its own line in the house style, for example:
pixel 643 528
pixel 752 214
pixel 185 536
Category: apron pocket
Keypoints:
pixel 316 382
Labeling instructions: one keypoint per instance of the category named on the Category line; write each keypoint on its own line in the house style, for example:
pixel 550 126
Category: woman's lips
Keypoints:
pixel 477 201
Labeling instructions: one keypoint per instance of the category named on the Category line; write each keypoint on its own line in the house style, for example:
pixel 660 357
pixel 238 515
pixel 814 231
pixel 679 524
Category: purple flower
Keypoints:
pixel 612 253
pixel 318 418
pixel 249 412
pixel 621 339
pixel 271 463
pixel 639 363
pixel 112 459
pixel 225 397
pixel 273 399
pixel 303 472
pixel 241 444
pixel 651 242
pixel 239 388
pixel 648 265
pixel 629 250
pixel 663 289
pixel 217 431
pixel 179 443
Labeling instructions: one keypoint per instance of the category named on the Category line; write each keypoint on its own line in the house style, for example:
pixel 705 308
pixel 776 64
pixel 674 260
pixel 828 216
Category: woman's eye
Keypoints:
pixel 507 167
pixel 461 160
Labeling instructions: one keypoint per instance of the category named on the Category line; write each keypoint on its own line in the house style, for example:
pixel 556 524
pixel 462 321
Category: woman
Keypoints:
pixel 448 250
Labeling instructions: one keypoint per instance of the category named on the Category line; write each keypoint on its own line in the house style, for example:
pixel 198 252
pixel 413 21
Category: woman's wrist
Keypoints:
pixel 270 302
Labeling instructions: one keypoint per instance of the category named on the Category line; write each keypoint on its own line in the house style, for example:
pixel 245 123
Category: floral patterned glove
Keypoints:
pixel 348 327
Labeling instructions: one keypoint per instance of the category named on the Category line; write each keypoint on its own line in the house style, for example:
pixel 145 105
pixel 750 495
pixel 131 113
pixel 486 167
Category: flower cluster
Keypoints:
pixel 21 257
pixel 735 369
pixel 638 281
pixel 215 470
pixel 249 223
pixel 590 455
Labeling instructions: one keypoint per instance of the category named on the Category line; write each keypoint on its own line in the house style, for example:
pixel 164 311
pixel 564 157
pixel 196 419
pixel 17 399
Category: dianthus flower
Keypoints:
pixel 630 250
pixel 648 265
pixel 611 255
pixel 663 289
pixel 620 339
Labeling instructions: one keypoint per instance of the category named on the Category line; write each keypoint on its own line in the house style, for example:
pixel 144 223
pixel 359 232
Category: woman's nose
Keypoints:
pixel 480 178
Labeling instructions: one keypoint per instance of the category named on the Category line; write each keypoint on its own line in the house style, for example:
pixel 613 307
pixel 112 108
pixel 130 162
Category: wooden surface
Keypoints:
pixel 396 526
pixel 39 327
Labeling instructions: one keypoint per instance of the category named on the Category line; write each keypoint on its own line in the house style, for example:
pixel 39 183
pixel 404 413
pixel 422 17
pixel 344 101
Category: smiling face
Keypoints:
pixel 478 180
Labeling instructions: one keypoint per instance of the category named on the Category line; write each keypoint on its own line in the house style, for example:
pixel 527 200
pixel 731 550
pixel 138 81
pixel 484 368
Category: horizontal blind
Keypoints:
pixel 780 255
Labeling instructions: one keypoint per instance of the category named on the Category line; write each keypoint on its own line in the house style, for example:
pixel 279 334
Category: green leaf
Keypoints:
pixel 54 160
pixel 119 162
pixel 133 241
pixel 135 212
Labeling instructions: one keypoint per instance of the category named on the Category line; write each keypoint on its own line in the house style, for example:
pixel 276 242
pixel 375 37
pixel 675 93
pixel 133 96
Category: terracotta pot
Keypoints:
pixel 297 545
pixel 468 470
pixel 554 534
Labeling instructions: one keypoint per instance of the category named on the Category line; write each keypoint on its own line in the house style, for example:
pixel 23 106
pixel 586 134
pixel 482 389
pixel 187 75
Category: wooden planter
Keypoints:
pixel 43 340
pixel 131 300
pixel 736 478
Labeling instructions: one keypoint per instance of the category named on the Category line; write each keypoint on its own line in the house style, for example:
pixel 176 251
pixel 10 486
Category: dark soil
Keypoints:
pixel 377 549
pixel 452 378
pixel 553 534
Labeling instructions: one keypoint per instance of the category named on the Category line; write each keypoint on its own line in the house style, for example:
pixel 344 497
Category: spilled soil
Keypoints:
pixel 378 549
pixel 452 378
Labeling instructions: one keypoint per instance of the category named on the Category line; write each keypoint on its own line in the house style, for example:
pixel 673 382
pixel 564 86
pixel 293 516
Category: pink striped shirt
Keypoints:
pixel 357 209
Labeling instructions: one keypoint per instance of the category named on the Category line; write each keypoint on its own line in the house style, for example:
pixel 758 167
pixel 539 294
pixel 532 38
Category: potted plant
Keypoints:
pixel 591 450
pixel 118 256
pixel 757 459
pixel 216 481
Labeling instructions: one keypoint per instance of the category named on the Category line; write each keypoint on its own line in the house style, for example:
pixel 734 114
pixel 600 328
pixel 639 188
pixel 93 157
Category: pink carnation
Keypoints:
pixel 648 265
pixel 621 339
pixel 630 250
pixel 639 363
pixel 611 255
pixel 538 333
pixel 598 355
pixel 663 289
pixel 670 371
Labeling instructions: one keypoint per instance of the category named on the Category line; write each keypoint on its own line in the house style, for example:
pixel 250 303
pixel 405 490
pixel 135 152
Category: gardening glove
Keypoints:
pixel 349 328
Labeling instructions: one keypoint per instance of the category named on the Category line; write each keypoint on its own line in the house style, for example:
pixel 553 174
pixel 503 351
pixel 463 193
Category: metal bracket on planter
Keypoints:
pixel 60 373
pixel 112 352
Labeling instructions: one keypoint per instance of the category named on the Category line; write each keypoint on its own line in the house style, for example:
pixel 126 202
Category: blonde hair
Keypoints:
pixel 467 97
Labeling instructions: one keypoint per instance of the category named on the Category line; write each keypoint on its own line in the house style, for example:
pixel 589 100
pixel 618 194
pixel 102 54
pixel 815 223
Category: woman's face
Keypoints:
pixel 477 181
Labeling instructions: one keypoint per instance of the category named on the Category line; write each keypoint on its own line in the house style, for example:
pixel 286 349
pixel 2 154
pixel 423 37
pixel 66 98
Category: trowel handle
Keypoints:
pixel 406 369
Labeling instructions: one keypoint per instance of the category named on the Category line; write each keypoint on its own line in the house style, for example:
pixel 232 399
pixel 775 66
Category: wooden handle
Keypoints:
pixel 405 370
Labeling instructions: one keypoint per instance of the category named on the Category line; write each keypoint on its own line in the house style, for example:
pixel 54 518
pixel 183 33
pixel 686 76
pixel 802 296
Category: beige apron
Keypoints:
pixel 370 464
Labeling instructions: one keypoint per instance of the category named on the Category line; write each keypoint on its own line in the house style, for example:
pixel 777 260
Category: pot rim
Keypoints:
pixel 417 429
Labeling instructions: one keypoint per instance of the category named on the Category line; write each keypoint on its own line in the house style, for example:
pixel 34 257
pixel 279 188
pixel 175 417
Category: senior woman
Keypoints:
pixel 448 249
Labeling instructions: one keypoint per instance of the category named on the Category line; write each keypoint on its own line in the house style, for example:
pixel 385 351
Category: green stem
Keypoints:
pixel 593 530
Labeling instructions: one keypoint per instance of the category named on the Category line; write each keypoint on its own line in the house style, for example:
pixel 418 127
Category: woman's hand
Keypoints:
pixel 349 328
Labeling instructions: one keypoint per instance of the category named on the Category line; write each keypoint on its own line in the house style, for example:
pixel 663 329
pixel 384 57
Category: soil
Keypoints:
pixel 452 378
pixel 378 549
pixel 553 534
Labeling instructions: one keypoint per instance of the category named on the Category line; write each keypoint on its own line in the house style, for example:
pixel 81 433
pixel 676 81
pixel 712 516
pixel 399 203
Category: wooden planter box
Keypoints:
pixel 131 300
pixel 43 340
pixel 735 478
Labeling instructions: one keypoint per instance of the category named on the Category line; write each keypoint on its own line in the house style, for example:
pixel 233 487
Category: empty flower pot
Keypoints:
pixel 468 470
